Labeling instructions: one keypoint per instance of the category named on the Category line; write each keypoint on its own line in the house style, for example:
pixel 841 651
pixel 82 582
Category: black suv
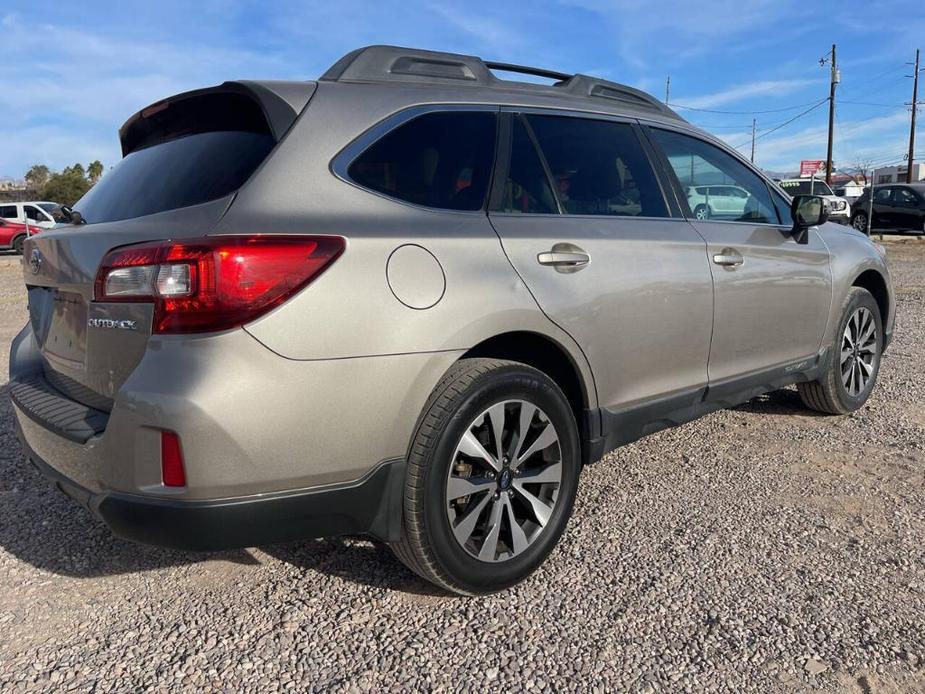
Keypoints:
pixel 900 206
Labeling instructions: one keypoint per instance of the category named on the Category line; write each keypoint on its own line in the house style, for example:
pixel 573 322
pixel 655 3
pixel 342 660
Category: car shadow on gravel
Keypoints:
pixel 357 560
pixel 41 526
pixel 784 402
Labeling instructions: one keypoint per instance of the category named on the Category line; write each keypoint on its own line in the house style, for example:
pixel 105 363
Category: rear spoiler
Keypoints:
pixel 271 107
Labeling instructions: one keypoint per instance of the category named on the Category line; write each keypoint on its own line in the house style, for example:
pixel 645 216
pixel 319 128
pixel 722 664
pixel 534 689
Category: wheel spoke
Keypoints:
pixel 541 511
pixel 470 446
pixel 464 486
pixel 845 355
pixel 490 545
pixel 868 368
pixel 463 529
pixel 518 537
pixel 526 418
pixel 496 417
pixel 549 474
pixel 546 438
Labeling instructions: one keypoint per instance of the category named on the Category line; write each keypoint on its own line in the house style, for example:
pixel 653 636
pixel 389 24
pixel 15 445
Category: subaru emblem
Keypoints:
pixel 35 261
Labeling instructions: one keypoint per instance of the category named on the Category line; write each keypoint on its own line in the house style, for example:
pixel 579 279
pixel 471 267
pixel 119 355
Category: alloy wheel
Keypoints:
pixel 503 482
pixel 858 351
pixel 860 222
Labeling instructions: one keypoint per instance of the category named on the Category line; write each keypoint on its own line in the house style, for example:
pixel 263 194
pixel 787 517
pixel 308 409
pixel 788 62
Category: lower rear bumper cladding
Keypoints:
pixel 368 506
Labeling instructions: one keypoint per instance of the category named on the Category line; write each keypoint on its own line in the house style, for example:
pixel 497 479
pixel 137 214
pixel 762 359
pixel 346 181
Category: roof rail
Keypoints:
pixel 396 64
pixel 524 70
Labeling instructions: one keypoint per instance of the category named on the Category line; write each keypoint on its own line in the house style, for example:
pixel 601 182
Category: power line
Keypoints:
pixel 785 123
pixel 740 113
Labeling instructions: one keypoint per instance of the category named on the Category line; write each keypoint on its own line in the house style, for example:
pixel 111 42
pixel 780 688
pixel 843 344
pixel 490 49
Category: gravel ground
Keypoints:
pixel 757 549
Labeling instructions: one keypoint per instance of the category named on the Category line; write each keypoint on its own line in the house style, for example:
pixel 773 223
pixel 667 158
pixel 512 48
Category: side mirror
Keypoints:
pixel 66 213
pixel 807 211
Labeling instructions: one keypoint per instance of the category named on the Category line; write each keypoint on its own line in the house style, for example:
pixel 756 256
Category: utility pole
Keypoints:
pixel 754 123
pixel 836 78
pixel 667 89
pixel 915 104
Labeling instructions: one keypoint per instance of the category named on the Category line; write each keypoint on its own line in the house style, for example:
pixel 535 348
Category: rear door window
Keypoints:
pixel 441 159
pixel 598 167
pixel 8 212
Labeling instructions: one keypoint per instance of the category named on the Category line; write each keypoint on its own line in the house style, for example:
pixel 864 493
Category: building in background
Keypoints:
pixel 897 174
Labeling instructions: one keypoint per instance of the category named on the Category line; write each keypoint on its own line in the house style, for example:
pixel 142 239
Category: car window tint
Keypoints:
pixel 440 159
pixel 8 212
pixel 882 195
pixel 904 196
pixel 598 167
pixel 527 188
pixel 34 214
pixel 696 163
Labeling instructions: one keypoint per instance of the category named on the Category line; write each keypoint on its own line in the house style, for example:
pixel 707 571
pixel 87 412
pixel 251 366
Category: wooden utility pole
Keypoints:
pixel 667 89
pixel 915 103
pixel 754 123
pixel 836 78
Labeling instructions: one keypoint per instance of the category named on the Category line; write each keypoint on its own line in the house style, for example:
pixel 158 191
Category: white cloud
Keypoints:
pixel 740 92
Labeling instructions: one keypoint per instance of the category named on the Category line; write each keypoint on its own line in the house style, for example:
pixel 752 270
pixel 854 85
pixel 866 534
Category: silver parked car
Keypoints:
pixel 411 300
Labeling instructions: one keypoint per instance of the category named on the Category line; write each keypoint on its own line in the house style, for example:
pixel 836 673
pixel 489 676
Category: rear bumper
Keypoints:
pixel 369 506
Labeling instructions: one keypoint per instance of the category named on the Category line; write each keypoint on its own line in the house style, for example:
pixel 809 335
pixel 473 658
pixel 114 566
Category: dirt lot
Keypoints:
pixel 758 549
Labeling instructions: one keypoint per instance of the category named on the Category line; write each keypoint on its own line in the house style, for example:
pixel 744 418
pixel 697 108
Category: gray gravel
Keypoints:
pixel 758 549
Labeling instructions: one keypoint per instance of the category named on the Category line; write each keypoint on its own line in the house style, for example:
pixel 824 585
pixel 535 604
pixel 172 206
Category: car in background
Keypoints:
pixel 717 202
pixel 899 206
pixel 839 209
pixel 38 214
pixel 13 235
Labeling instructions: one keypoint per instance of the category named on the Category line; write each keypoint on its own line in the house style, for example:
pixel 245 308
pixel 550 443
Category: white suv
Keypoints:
pixel 839 209
pixel 717 202
pixel 39 214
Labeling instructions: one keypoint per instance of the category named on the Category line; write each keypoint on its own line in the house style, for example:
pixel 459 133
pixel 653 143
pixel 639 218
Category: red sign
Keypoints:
pixel 808 167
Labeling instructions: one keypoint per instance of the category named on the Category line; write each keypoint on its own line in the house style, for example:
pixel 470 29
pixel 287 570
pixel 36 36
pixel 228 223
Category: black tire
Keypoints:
pixel 860 222
pixel 427 545
pixel 702 212
pixel 828 393
pixel 17 244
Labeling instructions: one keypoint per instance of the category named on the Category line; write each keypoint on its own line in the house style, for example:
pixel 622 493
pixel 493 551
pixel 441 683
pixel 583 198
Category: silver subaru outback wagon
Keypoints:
pixel 411 300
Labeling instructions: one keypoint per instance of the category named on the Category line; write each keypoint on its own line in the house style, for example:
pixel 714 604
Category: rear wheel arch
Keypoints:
pixel 873 281
pixel 17 243
pixel 544 354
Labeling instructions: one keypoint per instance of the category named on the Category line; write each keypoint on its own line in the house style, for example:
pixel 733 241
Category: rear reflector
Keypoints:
pixel 213 283
pixel 172 473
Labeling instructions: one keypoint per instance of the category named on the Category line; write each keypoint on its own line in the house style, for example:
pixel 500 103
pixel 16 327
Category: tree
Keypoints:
pixel 37 176
pixel 66 187
pixel 863 167
pixel 95 171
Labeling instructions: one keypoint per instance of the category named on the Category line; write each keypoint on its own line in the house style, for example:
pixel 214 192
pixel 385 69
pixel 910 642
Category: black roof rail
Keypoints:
pixel 525 70
pixel 397 64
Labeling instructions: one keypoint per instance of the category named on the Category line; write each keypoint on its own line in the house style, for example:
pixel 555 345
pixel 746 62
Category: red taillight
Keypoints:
pixel 213 283
pixel 172 473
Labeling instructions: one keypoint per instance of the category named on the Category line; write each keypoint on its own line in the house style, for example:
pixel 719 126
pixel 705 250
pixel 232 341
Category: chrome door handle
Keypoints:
pixel 564 257
pixel 560 258
pixel 728 257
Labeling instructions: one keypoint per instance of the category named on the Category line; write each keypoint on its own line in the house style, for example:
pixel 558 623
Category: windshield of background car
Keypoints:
pixel 807 187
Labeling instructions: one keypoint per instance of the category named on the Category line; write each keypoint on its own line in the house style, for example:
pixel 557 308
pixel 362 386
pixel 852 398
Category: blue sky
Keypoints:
pixel 75 71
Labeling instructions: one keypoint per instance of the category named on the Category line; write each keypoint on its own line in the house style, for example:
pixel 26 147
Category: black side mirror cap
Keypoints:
pixel 807 211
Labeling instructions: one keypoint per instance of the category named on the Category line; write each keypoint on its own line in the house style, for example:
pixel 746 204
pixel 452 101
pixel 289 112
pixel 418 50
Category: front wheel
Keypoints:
pixel 860 222
pixel 854 361
pixel 492 476
pixel 18 243
pixel 701 212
